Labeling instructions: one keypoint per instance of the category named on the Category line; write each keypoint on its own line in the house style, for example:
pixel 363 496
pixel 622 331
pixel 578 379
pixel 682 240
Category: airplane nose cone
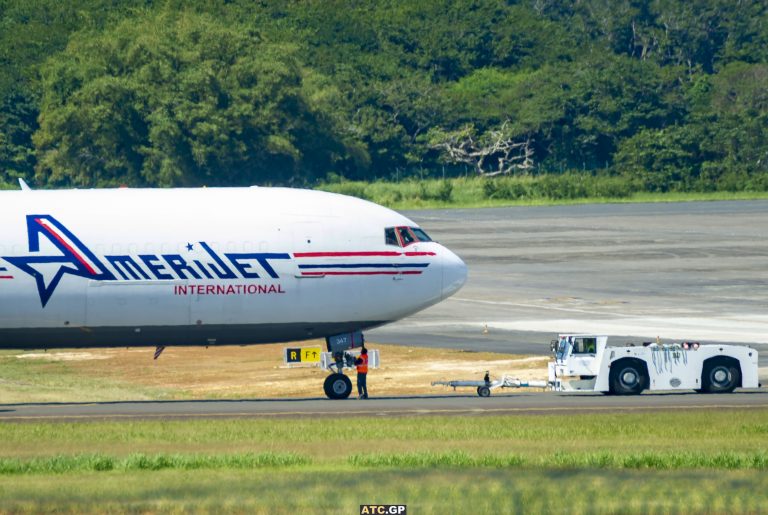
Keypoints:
pixel 454 273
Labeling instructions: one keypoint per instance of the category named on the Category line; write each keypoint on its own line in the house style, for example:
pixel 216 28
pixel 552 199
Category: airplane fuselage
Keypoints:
pixel 136 267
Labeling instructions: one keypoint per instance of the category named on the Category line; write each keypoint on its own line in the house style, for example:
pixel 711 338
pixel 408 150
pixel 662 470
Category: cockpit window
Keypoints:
pixel 420 234
pixel 404 236
pixel 390 237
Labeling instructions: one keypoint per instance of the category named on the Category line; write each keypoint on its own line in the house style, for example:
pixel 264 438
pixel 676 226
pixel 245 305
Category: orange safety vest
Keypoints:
pixel 362 367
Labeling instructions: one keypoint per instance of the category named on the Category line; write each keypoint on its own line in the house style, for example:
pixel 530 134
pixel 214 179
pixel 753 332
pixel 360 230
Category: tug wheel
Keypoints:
pixel 720 376
pixel 627 378
pixel 483 391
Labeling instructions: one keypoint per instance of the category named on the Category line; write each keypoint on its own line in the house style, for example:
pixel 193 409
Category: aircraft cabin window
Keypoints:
pixel 390 237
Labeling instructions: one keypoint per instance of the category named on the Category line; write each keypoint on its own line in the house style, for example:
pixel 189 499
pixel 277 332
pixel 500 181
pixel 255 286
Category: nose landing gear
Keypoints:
pixel 337 386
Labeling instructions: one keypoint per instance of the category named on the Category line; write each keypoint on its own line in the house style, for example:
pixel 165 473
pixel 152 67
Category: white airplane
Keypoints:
pixel 210 266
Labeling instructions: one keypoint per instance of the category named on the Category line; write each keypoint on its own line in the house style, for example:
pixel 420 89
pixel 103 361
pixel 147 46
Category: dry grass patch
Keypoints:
pixel 234 372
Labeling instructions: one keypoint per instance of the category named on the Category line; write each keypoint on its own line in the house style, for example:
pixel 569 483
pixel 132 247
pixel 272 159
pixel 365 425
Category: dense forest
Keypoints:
pixel 672 94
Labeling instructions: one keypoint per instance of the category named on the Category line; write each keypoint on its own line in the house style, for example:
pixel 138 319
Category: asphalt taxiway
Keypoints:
pixel 445 405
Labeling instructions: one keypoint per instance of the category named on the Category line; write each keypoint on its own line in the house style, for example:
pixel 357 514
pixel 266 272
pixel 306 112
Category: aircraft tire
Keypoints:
pixel 337 386
pixel 720 376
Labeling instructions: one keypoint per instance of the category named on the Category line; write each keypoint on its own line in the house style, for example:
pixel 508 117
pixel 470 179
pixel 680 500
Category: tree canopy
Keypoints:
pixel 672 93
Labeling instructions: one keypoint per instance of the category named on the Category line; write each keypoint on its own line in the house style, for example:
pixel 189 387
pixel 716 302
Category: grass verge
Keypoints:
pixel 65 464
pixel 688 461
pixel 229 372
pixel 475 491
pixel 62 464
pixel 569 460
pixel 477 192
pixel 333 440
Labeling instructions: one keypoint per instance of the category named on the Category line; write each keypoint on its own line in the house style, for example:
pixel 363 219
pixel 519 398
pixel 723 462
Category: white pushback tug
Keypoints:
pixel 586 363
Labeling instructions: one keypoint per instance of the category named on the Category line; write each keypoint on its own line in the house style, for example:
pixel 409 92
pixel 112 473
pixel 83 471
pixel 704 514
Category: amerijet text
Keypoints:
pixel 208 265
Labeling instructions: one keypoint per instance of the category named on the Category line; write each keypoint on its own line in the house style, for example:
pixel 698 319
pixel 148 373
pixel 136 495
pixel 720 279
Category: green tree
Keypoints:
pixel 237 92
pixel 736 115
pixel 18 121
pixel 173 99
pixel 29 33
pixel 611 98
pixel 660 159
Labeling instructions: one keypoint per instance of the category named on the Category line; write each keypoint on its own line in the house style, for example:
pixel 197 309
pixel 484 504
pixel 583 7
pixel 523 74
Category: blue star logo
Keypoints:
pixel 74 258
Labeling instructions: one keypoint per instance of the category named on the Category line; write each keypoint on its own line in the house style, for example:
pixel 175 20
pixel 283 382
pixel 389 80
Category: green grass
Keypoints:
pixel 474 491
pixel 666 460
pixel 65 464
pixel 477 192
pixel 681 431
pixel 61 464
pixel 688 461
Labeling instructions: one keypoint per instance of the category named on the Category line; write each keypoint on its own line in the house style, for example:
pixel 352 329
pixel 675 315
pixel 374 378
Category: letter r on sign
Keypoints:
pixel 293 355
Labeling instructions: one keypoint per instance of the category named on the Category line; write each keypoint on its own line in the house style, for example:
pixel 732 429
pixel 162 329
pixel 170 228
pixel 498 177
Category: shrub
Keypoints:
pixel 507 188
pixel 354 189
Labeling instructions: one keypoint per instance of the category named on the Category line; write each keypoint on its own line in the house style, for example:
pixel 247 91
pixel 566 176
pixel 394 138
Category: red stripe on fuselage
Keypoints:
pixel 360 254
pixel 344 254
pixel 407 272
pixel 6 277
pixel 66 245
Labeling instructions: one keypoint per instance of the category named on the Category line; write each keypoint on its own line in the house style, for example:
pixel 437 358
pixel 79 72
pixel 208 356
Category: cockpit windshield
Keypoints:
pixel 561 348
pixel 420 234
pixel 390 237
pixel 404 236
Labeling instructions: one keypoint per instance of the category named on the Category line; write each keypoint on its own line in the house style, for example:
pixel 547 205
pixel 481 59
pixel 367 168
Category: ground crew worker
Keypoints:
pixel 362 374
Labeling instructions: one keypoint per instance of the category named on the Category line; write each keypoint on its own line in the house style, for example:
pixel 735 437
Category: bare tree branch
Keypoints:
pixel 493 153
